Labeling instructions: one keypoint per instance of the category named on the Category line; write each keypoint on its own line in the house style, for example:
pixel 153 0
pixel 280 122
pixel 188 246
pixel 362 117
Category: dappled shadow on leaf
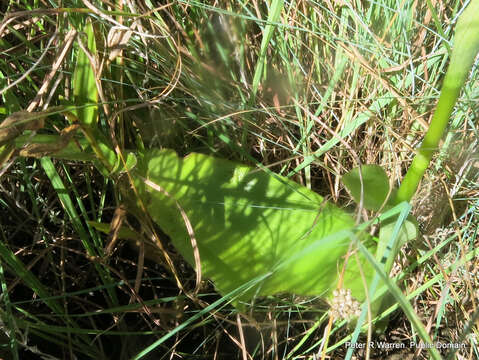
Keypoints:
pixel 247 223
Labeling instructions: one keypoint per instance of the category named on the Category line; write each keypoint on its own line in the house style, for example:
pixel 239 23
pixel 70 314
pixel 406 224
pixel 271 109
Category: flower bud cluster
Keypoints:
pixel 343 305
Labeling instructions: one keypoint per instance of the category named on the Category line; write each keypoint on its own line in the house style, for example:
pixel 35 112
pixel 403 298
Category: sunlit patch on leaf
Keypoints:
pixel 249 223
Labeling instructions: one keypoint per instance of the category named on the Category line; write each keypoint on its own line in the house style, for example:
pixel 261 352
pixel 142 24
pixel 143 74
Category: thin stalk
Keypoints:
pixel 466 47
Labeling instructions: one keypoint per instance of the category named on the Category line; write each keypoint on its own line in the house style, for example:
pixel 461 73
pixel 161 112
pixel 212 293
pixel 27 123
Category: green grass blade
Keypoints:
pixel 273 17
pixel 67 203
pixel 385 254
pixel 7 316
pixel 84 83
pixel 403 302
pixel 20 270
pixel 210 308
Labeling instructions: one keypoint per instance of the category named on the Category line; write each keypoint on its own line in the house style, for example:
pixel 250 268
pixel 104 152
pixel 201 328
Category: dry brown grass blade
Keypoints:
pixel 244 352
pixel 31 69
pixel 115 226
pixel 22 25
pixel 16 123
pixel 37 101
pixel 354 55
pixel 38 151
pixel 189 228
pixel 353 153
pixel 111 20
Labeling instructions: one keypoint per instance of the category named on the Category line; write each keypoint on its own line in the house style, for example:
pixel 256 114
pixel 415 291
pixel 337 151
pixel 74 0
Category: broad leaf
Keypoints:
pixel 248 224
pixel 375 186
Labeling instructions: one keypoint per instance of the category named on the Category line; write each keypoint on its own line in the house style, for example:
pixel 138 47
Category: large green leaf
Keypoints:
pixel 248 223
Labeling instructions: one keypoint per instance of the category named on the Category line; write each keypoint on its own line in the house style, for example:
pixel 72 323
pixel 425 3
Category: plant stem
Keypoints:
pixel 434 134
pixel 466 46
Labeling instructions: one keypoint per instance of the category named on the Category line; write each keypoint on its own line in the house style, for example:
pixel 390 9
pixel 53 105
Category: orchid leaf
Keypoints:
pixel 247 223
